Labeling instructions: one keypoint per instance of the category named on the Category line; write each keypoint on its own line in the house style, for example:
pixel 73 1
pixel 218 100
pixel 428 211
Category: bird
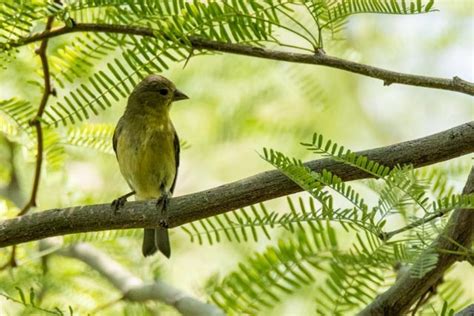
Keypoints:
pixel 147 149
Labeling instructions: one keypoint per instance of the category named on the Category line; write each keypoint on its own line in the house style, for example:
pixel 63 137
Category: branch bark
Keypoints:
pixel 468 311
pixel 132 287
pixel 388 77
pixel 459 232
pixel 267 185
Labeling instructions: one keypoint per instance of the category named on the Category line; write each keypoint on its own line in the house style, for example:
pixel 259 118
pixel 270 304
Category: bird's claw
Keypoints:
pixel 164 223
pixel 118 203
pixel 162 205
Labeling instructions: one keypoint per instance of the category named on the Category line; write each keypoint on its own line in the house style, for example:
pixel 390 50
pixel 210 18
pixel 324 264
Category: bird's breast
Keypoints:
pixel 146 155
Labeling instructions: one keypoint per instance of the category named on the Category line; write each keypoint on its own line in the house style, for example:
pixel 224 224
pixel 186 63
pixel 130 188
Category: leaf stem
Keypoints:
pixel 388 235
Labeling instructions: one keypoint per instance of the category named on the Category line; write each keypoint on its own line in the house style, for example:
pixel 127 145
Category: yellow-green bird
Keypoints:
pixel 147 149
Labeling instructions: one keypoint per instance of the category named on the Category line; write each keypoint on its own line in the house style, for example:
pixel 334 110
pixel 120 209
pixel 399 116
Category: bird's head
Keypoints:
pixel 155 92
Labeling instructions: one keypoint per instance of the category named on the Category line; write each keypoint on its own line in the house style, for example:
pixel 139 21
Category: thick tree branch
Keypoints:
pixel 468 311
pixel 389 77
pixel 459 232
pixel 133 288
pixel 438 147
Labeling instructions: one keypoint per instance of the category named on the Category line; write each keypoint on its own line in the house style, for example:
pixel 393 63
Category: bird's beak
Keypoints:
pixel 178 95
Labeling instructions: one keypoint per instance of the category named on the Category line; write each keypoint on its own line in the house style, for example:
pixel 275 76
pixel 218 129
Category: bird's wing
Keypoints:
pixel 117 132
pixel 115 138
pixel 176 157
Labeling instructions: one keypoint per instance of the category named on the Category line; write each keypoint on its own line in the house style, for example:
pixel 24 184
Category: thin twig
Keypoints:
pixel 36 121
pixel 388 77
pixel 11 261
pixel 268 185
pixel 421 221
pixel 133 288
pixel 53 312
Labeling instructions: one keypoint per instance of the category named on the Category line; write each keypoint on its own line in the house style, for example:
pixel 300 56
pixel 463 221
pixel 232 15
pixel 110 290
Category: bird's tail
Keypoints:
pixel 156 239
pixel 148 246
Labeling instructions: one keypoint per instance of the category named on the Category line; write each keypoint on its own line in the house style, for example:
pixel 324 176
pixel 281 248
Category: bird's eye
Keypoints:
pixel 163 91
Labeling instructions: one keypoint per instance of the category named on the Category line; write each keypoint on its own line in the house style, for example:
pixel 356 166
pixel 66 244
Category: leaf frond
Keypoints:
pixel 93 136
pixel 280 270
pixel 110 86
pixel 18 111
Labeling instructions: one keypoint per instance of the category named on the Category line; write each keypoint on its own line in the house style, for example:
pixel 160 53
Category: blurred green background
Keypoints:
pixel 237 106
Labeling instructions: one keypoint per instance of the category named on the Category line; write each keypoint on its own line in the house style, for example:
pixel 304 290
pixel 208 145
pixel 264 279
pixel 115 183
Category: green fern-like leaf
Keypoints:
pixel 8 128
pixel 372 251
pixel 94 136
pixel 402 189
pixel 344 8
pixel 278 271
pixel 245 225
pixel 354 276
pixel 54 151
pixel 301 175
pixel 29 302
pixel 425 263
pixel 102 236
pixel 454 201
pixel 314 183
pixel 453 294
pixel 426 224
pixel 446 311
pixel 339 153
pixel 347 288
pixel 16 19
pixel 18 111
pixel 308 85
pixel 110 86
pixel 438 180
pixel 332 15
pixel 53 148
pixel 78 59
pixel 400 178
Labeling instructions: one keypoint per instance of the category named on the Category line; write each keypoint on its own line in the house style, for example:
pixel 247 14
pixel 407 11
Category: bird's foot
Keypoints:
pixel 118 203
pixel 164 223
pixel 162 206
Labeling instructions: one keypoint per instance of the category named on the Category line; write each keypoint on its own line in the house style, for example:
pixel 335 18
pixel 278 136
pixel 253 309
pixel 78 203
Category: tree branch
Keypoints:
pixel 389 77
pixel 459 232
pixel 132 287
pixel 36 121
pixel 468 311
pixel 267 185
